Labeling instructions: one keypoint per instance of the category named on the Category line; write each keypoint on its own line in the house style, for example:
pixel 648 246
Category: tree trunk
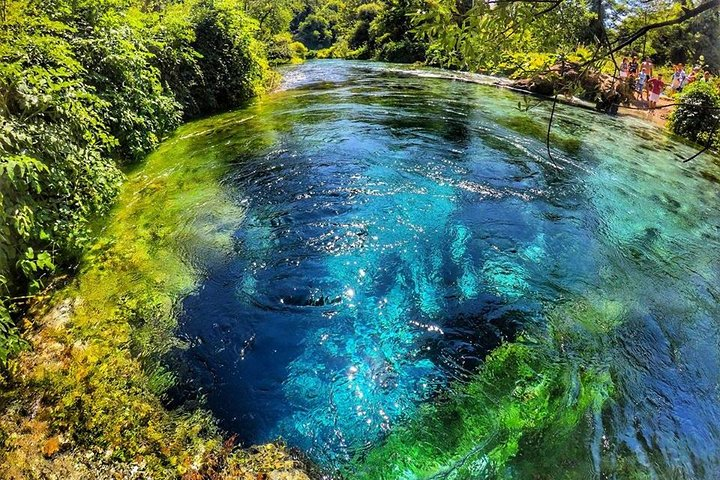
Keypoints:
pixel 596 29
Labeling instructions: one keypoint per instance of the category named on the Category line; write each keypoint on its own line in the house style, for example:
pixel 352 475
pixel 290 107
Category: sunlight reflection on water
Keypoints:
pixel 399 227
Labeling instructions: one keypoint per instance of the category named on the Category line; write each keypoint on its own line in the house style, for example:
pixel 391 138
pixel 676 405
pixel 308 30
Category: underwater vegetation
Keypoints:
pixel 529 409
pixel 375 239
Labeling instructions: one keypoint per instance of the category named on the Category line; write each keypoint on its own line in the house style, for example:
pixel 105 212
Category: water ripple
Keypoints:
pixel 400 225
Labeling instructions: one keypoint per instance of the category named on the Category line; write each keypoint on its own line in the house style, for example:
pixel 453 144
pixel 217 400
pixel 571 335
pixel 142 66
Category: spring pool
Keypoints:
pixel 397 226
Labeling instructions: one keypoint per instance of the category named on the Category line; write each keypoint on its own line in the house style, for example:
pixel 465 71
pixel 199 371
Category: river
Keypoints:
pixel 390 227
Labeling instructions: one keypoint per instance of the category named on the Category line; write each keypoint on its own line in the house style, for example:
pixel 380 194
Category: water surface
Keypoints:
pixel 397 226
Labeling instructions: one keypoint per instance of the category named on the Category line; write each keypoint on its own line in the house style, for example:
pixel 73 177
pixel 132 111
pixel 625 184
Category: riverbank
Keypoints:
pixel 526 86
pixel 659 117
pixel 87 398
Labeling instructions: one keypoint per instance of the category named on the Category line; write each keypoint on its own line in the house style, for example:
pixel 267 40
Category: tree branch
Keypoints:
pixel 687 15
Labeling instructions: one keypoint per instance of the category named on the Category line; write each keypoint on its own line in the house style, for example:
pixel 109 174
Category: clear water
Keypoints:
pixel 398 226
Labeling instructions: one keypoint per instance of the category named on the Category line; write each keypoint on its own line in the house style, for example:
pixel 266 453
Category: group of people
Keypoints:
pixel 680 77
pixel 639 77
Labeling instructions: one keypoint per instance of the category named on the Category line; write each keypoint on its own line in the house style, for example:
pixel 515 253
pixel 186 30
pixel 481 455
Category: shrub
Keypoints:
pixel 392 31
pixel 698 114
pixel 316 32
pixel 299 50
pixel 55 172
pixel 111 42
pixel 11 342
pixel 360 32
pixel 282 49
pixel 232 66
pixel 402 51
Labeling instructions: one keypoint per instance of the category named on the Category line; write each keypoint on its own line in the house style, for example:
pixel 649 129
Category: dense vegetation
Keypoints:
pixel 90 87
pixel 520 37
pixel 698 115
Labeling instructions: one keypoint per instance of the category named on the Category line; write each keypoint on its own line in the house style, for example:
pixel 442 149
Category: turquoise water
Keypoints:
pixel 399 226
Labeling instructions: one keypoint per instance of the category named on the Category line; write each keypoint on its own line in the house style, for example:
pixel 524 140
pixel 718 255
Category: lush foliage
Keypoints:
pixel 489 37
pixel 56 170
pixel 380 29
pixel 233 67
pixel 283 49
pixel 698 115
pixel 689 42
pixel 87 86
pixel 273 16
pixel 495 36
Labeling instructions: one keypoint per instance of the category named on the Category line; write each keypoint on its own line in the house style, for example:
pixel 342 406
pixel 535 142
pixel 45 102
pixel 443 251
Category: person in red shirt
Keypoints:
pixel 655 86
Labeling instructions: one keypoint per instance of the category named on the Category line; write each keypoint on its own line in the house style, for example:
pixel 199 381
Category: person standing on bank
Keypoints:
pixel 633 67
pixel 643 77
pixel 655 86
pixel 624 66
pixel 648 66
pixel 678 78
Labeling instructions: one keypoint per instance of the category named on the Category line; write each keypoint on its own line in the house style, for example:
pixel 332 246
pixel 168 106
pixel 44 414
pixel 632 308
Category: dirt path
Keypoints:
pixel 639 109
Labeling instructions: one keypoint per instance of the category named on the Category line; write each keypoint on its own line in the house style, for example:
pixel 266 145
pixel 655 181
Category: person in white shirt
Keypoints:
pixel 624 66
pixel 677 82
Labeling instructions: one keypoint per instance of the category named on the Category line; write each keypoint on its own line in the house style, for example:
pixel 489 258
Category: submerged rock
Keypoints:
pixel 288 475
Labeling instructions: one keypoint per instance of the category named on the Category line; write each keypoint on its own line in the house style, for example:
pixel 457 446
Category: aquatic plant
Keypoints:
pixel 529 409
pixel 96 377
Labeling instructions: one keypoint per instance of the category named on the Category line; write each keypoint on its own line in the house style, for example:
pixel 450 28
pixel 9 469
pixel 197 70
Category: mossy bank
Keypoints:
pixel 86 399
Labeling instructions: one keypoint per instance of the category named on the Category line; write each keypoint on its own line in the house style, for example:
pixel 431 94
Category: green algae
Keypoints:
pixel 168 209
pixel 97 362
pixel 529 410
pixel 537 128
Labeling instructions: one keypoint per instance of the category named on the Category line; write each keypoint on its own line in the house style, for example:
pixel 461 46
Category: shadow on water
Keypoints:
pixel 399 228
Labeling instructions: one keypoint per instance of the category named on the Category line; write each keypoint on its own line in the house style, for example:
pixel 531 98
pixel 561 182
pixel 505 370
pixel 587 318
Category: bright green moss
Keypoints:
pixel 97 363
pixel 529 409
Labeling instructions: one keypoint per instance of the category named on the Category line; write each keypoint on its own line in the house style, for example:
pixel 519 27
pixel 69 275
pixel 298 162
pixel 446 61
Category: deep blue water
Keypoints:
pixel 398 227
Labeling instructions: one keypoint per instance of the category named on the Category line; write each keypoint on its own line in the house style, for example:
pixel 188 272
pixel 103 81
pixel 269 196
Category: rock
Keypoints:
pixel 568 77
pixel 539 85
pixel 287 475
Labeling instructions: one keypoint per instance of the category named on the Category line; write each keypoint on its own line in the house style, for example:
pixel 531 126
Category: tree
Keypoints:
pixel 273 16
